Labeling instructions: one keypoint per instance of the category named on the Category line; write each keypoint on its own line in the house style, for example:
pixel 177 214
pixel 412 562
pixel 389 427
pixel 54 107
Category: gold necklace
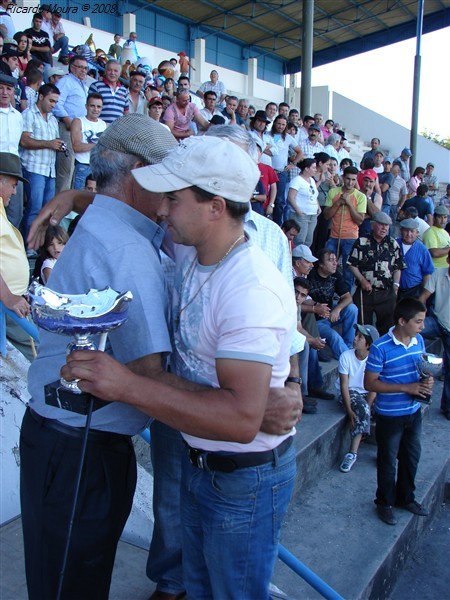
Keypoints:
pixel 189 273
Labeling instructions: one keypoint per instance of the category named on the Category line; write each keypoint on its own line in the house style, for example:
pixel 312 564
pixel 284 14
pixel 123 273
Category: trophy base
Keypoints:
pixel 60 397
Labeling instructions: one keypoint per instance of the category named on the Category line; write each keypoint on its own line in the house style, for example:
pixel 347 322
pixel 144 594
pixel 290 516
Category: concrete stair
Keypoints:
pixel 332 525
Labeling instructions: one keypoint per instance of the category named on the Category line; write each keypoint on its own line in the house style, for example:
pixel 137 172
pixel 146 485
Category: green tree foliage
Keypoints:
pixel 445 142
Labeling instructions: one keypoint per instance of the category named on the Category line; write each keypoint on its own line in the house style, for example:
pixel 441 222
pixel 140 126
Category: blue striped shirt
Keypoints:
pixel 115 101
pixel 395 363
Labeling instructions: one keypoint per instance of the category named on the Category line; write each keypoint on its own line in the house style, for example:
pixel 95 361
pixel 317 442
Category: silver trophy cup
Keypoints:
pixel 428 365
pixel 81 316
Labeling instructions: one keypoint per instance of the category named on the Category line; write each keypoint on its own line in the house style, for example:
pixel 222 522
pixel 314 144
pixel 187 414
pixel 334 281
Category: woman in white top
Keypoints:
pixel 302 197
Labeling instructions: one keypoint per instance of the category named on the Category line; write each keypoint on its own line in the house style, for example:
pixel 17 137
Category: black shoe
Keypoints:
pixel 415 508
pixel 324 358
pixel 309 409
pixel 317 393
pixel 386 514
pixel 308 400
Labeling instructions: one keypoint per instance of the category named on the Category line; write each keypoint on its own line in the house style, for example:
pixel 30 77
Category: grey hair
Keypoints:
pixel 333 138
pixel 112 61
pixel 238 135
pixel 109 167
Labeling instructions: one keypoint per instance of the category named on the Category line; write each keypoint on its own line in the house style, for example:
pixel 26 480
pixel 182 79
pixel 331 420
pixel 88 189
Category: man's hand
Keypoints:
pixel 335 314
pixel 98 374
pixel 283 410
pixel 55 144
pixel 366 286
pixel 18 304
pixel 323 310
pixel 352 420
pixel 317 343
pixel 421 388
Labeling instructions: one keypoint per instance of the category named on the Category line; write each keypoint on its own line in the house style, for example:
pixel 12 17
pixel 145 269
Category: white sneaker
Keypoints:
pixel 348 462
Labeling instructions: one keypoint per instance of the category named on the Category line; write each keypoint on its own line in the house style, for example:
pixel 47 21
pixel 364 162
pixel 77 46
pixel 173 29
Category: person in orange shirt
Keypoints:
pixel 346 207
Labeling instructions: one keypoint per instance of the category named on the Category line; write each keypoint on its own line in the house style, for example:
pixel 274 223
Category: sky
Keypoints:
pixel 382 80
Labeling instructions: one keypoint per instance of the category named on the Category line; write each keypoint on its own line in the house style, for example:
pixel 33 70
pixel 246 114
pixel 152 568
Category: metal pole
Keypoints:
pixel 416 86
pixel 307 56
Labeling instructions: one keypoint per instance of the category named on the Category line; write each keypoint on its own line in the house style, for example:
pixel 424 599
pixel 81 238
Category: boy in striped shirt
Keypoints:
pixel 392 373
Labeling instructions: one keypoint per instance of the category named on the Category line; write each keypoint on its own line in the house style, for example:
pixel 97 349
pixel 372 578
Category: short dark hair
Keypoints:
pixel 283 104
pixel 305 163
pixel 292 125
pixel 292 111
pixel 368 163
pixel 95 96
pixel 321 157
pixel 271 104
pixel 48 88
pixel 232 98
pixel 302 282
pixel 37 16
pixel 407 308
pixel 35 76
pixel 322 253
pixel 236 210
pixel 290 224
pixel 90 177
pixel 76 57
pixel 210 93
pixel 184 77
pixel 345 160
pixel 351 171
pixel 308 118
pixel 422 189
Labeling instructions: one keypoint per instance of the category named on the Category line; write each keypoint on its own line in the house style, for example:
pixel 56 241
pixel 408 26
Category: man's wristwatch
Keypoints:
pixel 272 205
pixel 294 380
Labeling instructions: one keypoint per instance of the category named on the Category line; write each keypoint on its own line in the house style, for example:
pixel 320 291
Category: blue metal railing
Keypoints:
pixel 290 560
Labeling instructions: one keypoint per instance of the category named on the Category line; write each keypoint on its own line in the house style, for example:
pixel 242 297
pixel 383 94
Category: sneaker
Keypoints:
pixel 348 462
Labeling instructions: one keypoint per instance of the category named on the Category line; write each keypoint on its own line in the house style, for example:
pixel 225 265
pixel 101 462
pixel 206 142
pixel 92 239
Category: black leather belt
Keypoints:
pixel 228 463
pixel 95 435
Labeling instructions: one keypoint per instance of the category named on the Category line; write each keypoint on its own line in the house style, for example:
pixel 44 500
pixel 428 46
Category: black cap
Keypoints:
pixel 260 115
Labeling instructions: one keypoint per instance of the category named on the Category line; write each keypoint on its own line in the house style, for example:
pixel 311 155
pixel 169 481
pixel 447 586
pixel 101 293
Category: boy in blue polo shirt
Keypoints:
pixel 392 373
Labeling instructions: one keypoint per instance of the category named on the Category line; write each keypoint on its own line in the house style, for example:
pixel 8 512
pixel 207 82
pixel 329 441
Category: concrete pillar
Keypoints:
pixel 129 24
pixel 307 54
pixel 198 60
pixel 252 77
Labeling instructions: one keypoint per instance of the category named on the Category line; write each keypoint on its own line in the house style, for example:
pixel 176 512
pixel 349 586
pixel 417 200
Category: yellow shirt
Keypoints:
pixel 436 237
pixel 14 266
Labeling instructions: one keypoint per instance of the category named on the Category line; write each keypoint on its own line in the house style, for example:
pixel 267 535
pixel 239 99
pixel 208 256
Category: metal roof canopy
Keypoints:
pixel 342 28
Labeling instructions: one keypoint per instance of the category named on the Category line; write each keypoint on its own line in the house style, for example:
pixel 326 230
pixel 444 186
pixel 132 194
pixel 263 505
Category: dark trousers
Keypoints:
pixel 49 463
pixel 398 439
pixel 379 303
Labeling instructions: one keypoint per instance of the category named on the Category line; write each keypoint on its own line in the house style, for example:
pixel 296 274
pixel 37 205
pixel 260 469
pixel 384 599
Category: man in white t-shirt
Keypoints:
pixel 224 338
pixel 84 133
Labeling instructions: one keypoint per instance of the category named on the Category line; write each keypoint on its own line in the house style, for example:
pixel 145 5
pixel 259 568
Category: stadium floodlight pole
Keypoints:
pixel 416 85
pixel 307 56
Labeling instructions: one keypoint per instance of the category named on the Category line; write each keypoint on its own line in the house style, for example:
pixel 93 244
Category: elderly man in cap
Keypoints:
pixel 403 162
pixel 311 144
pixel 222 286
pixel 437 239
pixel 376 263
pixel 15 273
pixel 419 265
pixel 11 128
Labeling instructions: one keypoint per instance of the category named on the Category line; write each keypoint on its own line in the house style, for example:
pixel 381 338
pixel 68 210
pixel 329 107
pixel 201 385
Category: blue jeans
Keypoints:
pixel 39 191
pixel 81 172
pixel 310 371
pixel 164 559
pixel 345 248
pixel 63 45
pixel 433 329
pixel 398 438
pixel 231 527
pixel 280 210
pixel 337 343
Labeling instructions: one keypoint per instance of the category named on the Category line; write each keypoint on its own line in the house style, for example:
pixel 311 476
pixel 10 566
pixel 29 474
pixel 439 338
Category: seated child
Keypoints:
pixel 55 240
pixel 355 399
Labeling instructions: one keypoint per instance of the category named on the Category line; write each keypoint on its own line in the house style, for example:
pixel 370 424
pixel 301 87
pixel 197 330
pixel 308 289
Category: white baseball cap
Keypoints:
pixel 215 165
pixel 302 251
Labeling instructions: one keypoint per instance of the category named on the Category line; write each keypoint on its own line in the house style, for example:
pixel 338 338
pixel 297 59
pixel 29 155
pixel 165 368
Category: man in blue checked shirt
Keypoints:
pixel 392 373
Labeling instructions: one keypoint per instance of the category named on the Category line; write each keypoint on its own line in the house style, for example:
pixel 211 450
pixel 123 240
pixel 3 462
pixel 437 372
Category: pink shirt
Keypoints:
pixel 181 122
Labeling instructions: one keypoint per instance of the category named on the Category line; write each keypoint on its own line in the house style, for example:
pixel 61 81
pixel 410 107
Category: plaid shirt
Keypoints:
pixel 309 149
pixel 42 162
pixel 377 262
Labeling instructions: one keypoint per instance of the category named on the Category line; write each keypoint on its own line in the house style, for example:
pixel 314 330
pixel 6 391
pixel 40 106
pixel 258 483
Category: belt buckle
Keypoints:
pixel 196 458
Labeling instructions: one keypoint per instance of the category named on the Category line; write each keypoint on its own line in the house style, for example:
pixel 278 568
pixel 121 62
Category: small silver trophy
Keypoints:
pixel 428 365
pixel 81 316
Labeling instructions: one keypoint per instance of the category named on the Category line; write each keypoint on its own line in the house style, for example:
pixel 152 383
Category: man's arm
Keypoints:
pixel 372 383
pixel 26 141
pixel 357 217
pixel 201 121
pixel 76 135
pixel 234 412
pixel 365 285
pixel 55 210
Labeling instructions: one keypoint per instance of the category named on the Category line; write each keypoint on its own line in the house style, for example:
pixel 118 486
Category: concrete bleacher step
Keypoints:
pixel 332 525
